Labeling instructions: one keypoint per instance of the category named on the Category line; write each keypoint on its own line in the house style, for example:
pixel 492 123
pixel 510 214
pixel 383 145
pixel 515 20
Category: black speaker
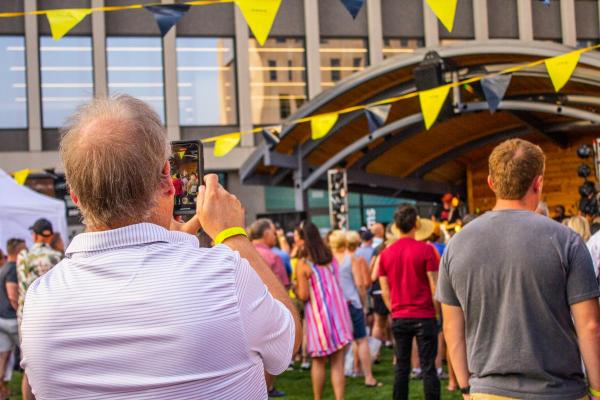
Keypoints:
pixel 429 74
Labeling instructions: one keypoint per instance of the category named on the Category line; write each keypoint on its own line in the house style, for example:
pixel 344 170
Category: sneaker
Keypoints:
pixel 305 365
pixel 416 374
pixel 290 368
pixel 276 393
pixel 443 375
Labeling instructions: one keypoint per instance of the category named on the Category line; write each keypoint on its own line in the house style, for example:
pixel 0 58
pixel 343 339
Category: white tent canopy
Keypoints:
pixel 20 207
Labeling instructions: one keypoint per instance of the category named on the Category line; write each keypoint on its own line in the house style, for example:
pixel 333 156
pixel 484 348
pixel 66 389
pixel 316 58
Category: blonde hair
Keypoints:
pixel 513 165
pixel 352 240
pixel 581 226
pixel 338 241
pixel 114 151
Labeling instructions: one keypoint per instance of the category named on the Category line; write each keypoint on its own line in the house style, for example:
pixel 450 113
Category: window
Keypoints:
pixel 66 77
pixel 13 102
pixel 206 81
pixel 394 46
pixel 341 58
pixel 336 75
pixel 285 106
pixel 277 95
pixel 272 70
pixel 135 67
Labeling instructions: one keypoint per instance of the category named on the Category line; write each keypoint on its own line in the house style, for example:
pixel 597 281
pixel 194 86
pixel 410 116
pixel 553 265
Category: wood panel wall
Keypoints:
pixel 561 183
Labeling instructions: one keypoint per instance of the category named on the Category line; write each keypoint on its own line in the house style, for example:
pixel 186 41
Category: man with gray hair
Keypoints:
pixel 136 309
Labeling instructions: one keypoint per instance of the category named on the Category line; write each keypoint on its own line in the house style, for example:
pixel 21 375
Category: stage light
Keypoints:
pixel 584 151
pixel 584 171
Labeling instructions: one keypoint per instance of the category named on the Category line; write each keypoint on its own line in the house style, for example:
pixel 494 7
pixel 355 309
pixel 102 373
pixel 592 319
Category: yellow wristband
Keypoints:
pixel 230 232
pixel 594 393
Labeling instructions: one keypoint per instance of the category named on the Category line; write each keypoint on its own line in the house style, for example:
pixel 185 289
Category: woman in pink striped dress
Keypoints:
pixel 328 327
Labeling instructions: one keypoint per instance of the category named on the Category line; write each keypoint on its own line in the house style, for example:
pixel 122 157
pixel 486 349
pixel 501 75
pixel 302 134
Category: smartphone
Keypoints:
pixel 187 172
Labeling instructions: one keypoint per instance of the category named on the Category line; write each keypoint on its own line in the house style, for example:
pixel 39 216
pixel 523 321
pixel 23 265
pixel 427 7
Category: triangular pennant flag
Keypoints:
pixel 353 6
pixel 167 15
pixel 181 154
pixel 62 21
pixel 259 15
pixel 225 144
pixel 271 135
pixel 445 10
pixel 21 176
pixel 377 115
pixel 432 101
pixel 494 89
pixel 560 68
pixel 322 124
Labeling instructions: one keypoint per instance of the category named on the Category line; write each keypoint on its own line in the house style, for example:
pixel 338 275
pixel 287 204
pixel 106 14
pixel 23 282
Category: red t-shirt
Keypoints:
pixel 405 265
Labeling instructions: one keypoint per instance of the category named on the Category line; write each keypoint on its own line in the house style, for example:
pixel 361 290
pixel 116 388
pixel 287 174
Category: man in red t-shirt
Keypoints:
pixel 408 274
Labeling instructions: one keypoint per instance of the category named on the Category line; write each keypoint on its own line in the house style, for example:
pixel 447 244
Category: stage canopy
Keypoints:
pixel 402 158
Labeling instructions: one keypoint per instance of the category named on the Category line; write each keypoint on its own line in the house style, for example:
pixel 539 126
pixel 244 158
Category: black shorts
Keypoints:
pixel 379 307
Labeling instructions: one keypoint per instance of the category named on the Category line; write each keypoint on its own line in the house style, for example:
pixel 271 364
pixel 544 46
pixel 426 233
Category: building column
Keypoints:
pixel 432 34
pixel 32 61
pixel 242 55
pixel 99 50
pixel 170 82
pixel 567 22
pixel 375 31
pixel 480 20
pixel 313 41
pixel 525 20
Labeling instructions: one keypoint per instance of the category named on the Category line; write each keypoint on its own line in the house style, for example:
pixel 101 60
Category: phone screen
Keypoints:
pixel 186 171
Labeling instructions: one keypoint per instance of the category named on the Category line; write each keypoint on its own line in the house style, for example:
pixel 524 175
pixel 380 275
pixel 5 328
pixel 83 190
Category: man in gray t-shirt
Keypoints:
pixel 521 288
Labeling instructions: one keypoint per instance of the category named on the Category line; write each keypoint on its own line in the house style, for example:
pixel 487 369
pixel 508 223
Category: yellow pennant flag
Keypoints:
pixel 561 68
pixel 181 154
pixel 445 10
pixel 224 144
pixel 432 101
pixel 62 21
pixel 322 124
pixel 260 15
pixel 21 176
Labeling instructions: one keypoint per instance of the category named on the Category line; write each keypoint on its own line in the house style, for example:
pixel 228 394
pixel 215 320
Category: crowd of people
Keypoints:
pixel 136 308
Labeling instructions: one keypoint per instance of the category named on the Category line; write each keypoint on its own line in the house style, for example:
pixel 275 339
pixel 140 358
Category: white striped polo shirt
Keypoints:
pixel 144 313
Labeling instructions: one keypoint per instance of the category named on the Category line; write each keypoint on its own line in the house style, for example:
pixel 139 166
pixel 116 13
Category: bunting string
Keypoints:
pixel 321 121
pixel 260 15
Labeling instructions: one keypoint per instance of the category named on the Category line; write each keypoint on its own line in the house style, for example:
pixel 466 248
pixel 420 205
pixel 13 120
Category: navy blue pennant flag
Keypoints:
pixel 353 6
pixel 377 115
pixel 167 15
pixel 494 89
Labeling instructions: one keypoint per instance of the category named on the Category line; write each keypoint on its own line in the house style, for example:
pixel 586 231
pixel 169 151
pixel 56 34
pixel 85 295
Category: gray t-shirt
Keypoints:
pixel 515 274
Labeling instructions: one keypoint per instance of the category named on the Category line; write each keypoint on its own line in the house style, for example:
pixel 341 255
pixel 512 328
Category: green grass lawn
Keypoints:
pixel 15 386
pixel 297 386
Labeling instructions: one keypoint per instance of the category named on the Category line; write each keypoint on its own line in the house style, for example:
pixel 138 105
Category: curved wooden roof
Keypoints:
pixel 404 157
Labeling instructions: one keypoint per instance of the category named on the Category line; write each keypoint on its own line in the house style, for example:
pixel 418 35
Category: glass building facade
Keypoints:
pixel 206 81
pixel 277 78
pixel 66 77
pixel 13 102
pixel 135 67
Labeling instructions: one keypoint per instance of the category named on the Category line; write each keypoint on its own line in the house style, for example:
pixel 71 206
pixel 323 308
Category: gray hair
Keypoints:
pixel 114 150
pixel 259 227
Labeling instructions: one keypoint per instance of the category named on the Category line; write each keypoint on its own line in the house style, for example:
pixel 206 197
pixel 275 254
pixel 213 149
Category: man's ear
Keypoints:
pixel 166 184
pixel 74 198
pixel 490 182
pixel 538 183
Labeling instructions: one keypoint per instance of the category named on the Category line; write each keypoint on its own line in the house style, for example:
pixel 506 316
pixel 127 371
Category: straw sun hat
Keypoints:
pixel 425 228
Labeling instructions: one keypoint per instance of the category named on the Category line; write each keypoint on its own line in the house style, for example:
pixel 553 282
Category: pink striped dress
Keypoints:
pixel 328 326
